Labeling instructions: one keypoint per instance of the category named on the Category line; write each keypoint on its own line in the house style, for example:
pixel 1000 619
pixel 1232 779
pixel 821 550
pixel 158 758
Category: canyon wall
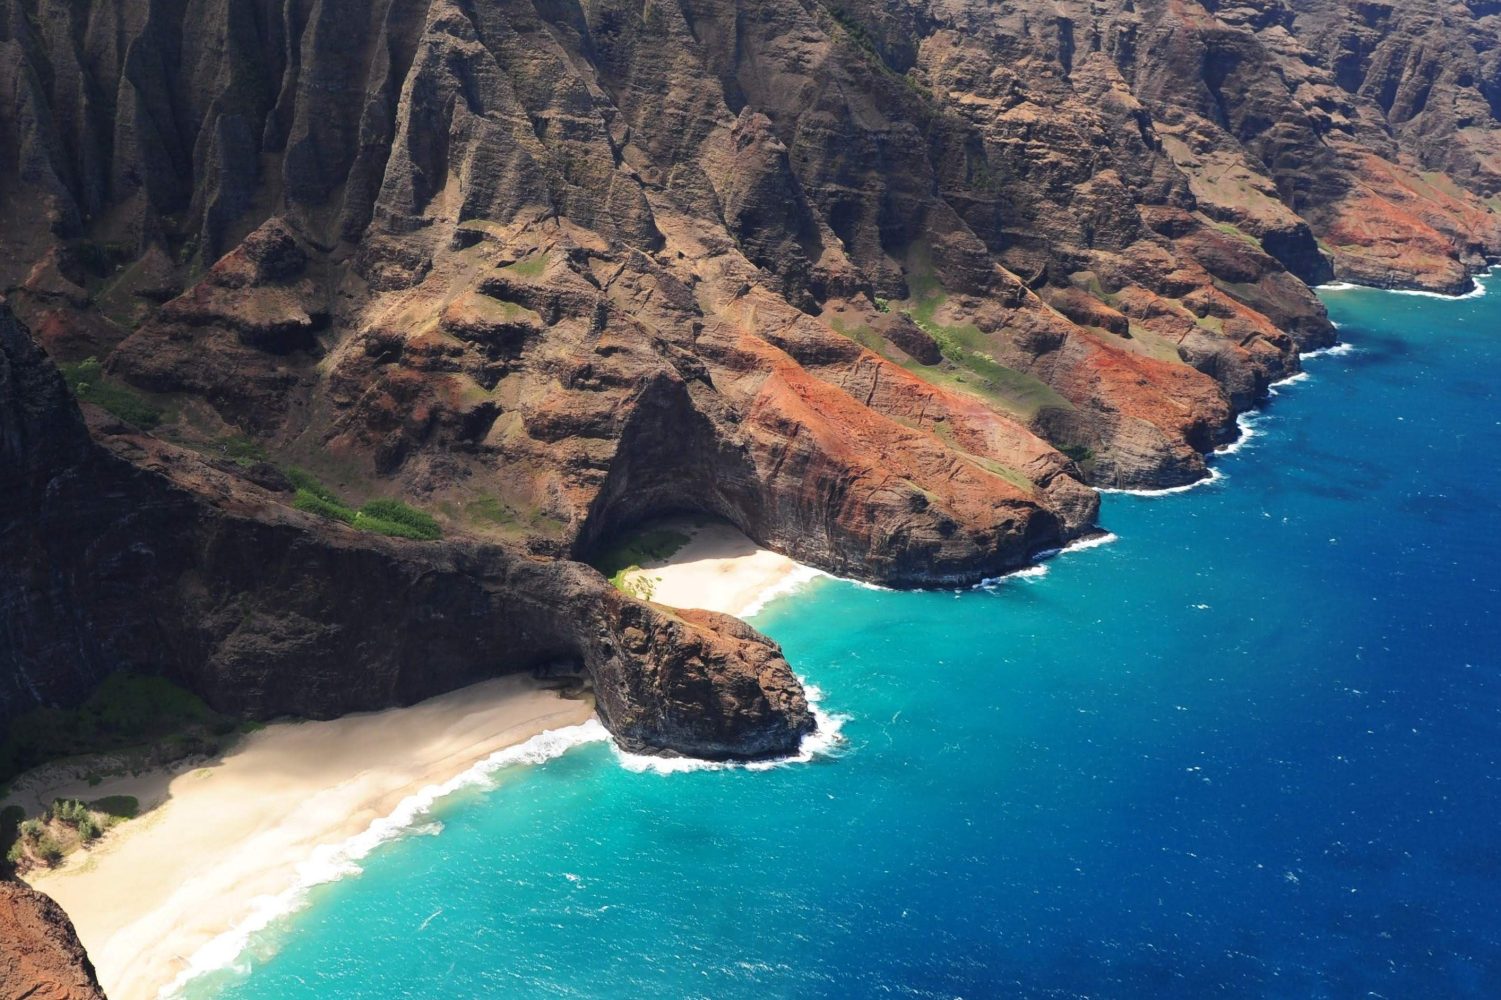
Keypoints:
pixel 889 284
pixel 119 551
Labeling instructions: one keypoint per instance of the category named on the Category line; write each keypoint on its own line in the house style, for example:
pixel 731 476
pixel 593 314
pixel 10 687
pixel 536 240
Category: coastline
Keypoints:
pixel 125 900
pixel 235 844
pixel 720 569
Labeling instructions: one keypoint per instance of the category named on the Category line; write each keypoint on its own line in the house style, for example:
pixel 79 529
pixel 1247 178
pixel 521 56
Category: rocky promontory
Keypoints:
pixel 890 285
pixel 40 956
pixel 121 551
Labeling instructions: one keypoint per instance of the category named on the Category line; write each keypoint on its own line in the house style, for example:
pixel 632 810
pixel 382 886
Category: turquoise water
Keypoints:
pixel 1248 749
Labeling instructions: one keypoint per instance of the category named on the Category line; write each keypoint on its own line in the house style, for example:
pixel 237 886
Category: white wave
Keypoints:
pixel 331 862
pixel 1215 476
pixel 1338 350
pixel 1474 293
pixel 1477 292
pixel 1039 568
pixel 1275 389
pixel 824 741
pixel 794 581
pixel 1092 542
pixel 1246 422
pixel 1034 572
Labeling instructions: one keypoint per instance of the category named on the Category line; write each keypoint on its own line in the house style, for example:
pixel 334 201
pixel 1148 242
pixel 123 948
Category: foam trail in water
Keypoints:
pixel 1215 476
pixel 1338 350
pixel 1092 542
pixel 1475 293
pixel 332 862
pixel 794 581
pixel 824 741
pixel 1040 568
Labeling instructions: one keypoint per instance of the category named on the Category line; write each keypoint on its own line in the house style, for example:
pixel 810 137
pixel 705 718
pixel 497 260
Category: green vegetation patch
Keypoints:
pixel 241 450
pixel 127 710
pixel 1006 388
pixel 67 825
pixel 311 502
pixel 392 517
pixel 120 807
pixel 1078 452
pixel 966 348
pixel 307 482
pixel 490 510
pixel 1230 229
pixel 862 334
pixel 88 383
pixel 528 267
pixel 11 818
pixel 626 557
pixel 383 517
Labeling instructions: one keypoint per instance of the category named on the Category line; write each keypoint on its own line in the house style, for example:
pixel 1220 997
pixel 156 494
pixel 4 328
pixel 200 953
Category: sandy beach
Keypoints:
pixel 215 844
pixel 720 569
pixel 224 837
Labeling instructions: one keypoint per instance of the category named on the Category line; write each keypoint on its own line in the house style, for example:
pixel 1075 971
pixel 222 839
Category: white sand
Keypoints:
pixel 213 841
pixel 159 887
pixel 719 570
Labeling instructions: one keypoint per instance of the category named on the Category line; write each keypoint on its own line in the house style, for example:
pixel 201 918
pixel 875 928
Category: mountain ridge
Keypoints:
pixel 891 285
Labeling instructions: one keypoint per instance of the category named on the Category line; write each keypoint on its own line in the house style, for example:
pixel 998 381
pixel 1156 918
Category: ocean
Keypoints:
pixel 1249 748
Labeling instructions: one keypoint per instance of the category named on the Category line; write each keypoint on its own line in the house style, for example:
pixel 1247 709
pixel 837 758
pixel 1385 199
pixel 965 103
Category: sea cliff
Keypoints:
pixel 890 286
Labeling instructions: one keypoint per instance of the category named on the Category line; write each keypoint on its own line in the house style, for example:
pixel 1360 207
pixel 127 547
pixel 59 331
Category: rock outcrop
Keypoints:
pixel 890 284
pixel 119 550
pixel 40 956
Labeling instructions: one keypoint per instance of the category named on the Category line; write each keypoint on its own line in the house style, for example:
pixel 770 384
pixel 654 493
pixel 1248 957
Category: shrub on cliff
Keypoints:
pixel 384 517
pixel 392 517
pixel 69 811
pixel 311 502
pixel 127 710
pixel 306 482
pixel 87 381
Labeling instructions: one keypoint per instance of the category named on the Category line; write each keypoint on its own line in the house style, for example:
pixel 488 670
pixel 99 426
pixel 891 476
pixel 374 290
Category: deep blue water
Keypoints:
pixel 1249 749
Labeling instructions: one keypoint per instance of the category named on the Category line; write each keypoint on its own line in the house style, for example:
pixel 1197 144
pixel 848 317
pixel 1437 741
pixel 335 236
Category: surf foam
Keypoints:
pixel 1215 476
pixel 789 584
pixel 332 862
pixel 1039 568
pixel 825 741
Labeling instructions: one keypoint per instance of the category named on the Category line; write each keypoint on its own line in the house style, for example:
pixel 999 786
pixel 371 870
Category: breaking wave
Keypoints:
pixel 332 862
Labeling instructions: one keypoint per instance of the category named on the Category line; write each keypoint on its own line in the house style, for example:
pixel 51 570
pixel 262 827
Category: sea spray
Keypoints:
pixel 331 862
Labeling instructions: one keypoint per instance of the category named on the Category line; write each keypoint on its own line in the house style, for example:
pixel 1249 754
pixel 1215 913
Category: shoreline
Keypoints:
pixel 720 569
pixel 151 925
pixel 1478 278
pixel 233 845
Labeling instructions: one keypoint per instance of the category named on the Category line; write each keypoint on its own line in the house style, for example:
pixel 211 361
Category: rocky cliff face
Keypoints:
pixel 887 283
pixel 40 957
pixel 120 550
